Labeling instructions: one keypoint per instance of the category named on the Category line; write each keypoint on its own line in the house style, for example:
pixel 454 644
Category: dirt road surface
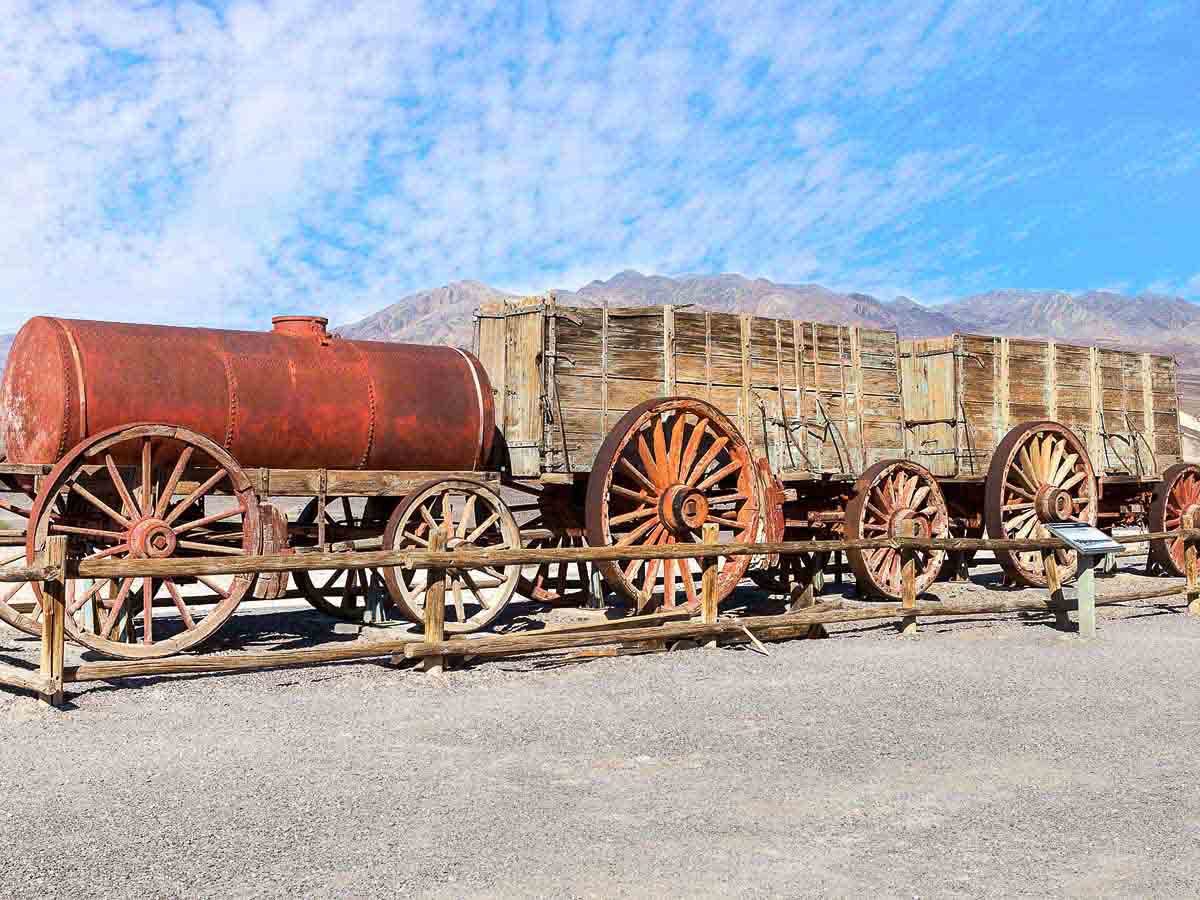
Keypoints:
pixel 997 757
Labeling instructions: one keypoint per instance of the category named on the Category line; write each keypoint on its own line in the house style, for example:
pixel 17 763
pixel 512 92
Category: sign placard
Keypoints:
pixel 1086 539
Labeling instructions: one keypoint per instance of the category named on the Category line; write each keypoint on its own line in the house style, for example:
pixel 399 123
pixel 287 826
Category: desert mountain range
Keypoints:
pixel 1142 322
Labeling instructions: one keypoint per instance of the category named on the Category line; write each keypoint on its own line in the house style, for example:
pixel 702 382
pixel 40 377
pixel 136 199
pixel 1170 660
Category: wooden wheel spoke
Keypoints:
pixel 482 528
pixel 209 483
pixel 661 454
pixel 631 495
pixel 692 448
pixel 214 587
pixel 96 533
pixel 118 605
pixel 168 490
pixel 675 453
pixel 718 475
pixel 475 589
pixel 100 505
pixel 206 547
pixel 650 464
pixel 210 520
pixel 625 465
pixel 111 551
pixel 83 598
pixel 467 516
pixel 633 516
pixel 184 612
pixel 628 539
pixel 147 487
pixel 149 589
pixel 723 520
pixel 122 489
pixel 706 460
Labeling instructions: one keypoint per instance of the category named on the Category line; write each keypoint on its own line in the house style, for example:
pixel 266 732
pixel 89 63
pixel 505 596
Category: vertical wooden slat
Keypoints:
pixel 841 355
pixel 435 603
pixel 1096 439
pixel 1148 415
pixel 1005 410
pixel 668 350
pixel 1052 380
pixel 54 617
pixel 747 378
pixel 604 370
pixel 798 355
pixel 708 356
pixel 856 376
pixel 781 436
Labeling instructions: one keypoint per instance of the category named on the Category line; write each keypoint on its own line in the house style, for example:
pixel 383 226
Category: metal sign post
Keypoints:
pixel 1091 544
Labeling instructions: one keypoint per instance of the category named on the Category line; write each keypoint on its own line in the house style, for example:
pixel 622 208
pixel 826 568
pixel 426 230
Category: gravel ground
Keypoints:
pixel 983 758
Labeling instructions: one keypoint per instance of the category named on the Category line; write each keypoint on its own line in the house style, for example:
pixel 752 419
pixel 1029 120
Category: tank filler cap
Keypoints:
pixel 301 326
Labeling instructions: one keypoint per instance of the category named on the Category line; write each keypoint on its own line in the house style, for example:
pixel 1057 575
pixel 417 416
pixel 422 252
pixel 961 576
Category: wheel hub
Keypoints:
pixel 1053 504
pixel 924 528
pixel 152 538
pixel 683 508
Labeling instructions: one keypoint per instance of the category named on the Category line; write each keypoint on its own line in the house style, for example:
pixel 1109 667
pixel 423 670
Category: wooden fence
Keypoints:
pixel 806 615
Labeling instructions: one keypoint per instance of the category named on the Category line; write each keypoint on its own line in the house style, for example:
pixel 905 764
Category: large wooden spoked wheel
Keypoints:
pixel 889 496
pixel 668 468
pixel 149 492
pixel 475 518
pixel 1177 494
pixel 345 593
pixel 1040 473
pixel 14 513
pixel 551 518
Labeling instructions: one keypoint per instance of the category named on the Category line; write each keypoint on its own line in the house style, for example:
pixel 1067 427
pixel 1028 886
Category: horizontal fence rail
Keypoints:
pixel 480 559
pixel 434 648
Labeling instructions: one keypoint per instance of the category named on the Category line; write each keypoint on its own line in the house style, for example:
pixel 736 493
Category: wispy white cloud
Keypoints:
pixel 190 163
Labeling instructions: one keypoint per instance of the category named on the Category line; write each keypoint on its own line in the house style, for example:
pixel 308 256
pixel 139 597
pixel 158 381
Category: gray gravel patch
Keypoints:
pixel 997 757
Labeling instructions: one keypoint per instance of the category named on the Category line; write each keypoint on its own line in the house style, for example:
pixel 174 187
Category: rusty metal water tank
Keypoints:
pixel 293 398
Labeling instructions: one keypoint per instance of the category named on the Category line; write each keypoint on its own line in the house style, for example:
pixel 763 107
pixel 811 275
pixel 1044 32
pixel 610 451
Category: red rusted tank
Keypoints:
pixel 294 398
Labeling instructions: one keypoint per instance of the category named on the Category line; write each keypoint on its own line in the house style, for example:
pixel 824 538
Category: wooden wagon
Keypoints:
pixel 611 411
pixel 1012 425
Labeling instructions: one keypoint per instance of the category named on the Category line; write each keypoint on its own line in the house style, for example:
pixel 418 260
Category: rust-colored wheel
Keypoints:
pixel 886 496
pixel 666 469
pixel 551 518
pixel 149 492
pixel 1040 473
pixel 1178 493
pixel 475 518
pixel 344 593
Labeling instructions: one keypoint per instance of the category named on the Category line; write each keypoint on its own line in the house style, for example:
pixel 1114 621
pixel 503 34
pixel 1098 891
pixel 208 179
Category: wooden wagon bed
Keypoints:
pixel 963 392
pixel 815 400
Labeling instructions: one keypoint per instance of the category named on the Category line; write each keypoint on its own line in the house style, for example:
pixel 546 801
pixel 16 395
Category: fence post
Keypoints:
pixel 435 604
pixel 1191 566
pixel 1062 618
pixel 708 581
pixel 908 578
pixel 1087 595
pixel 54 617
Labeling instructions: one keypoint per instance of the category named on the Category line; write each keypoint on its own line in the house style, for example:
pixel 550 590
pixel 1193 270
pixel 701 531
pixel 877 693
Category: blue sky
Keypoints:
pixel 219 162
